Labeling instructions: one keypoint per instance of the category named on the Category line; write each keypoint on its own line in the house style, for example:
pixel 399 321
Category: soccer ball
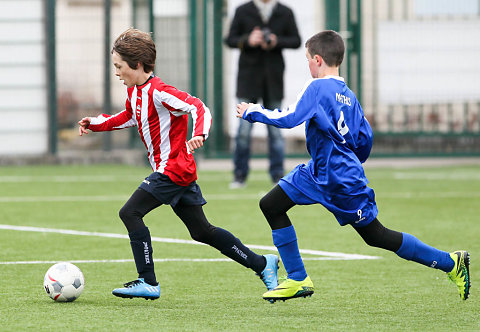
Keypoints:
pixel 64 282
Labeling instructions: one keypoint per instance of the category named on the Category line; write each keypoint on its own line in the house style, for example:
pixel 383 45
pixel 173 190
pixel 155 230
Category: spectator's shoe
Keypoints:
pixel 460 274
pixel 269 273
pixel 238 184
pixel 290 289
pixel 138 288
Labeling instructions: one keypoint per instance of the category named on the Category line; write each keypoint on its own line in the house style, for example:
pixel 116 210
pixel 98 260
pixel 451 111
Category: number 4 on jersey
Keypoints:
pixel 341 125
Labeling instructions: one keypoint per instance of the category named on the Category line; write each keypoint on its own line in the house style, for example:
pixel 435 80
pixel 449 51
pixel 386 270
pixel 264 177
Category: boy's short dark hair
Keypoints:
pixel 329 45
pixel 135 46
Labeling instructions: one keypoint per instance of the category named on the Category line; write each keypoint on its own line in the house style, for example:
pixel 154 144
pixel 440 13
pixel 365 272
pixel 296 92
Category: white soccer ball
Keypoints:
pixel 64 282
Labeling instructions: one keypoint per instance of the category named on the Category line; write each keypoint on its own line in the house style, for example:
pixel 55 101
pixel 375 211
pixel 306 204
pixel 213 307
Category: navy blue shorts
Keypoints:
pixel 168 192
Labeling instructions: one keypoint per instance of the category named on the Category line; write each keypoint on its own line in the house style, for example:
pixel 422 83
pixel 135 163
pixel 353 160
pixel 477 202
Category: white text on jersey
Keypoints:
pixel 343 99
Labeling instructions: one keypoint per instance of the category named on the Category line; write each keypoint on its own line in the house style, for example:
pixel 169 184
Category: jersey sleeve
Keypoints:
pixel 303 109
pixel 121 120
pixel 179 103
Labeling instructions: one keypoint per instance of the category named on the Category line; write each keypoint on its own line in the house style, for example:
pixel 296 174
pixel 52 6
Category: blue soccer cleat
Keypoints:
pixel 138 288
pixel 269 273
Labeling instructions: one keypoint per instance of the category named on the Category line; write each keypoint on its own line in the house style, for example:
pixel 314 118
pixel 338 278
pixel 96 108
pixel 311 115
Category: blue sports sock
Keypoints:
pixel 285 239
pixel 415 250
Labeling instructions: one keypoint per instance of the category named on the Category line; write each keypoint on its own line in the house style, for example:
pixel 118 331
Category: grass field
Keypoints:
pixel 438 205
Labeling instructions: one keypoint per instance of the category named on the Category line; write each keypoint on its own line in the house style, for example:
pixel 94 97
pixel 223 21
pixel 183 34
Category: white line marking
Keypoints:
pixel 331 255
pixel 107 178
pixel 161 260
pixel 23 199
pixel 220 197
pixel 453 176
pixel 466 175
pixel 66 178
pixel 109 198
pixel 446 194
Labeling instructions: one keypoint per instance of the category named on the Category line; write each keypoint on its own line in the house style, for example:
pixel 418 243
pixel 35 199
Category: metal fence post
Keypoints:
pixel 193 47
pixel 107 96
pixel 51 75
pixel 220 140
pixel 151 18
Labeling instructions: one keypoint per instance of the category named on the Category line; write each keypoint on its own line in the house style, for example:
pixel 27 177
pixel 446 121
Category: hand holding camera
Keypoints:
pixel 269 39
pixel 263 38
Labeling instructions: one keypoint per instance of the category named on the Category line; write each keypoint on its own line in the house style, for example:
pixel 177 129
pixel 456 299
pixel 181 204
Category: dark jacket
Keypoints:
pixel 259 69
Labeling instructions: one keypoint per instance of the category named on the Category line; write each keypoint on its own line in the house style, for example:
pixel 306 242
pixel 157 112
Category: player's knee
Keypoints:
pixel 384 238
pixel 373 234
pixel 372 241
pixel 267 206
pixel 203 235
pixel 124 213
pixel 129 214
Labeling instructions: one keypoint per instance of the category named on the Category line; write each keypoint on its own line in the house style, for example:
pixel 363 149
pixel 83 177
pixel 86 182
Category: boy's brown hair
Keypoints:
pixel 135 46
pixel 329 45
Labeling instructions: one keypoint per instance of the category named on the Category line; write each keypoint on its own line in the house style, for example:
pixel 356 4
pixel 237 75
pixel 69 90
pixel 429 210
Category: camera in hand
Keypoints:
pixel 266 35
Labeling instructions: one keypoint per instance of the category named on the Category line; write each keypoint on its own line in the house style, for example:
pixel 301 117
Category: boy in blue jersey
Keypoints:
pixel 339 140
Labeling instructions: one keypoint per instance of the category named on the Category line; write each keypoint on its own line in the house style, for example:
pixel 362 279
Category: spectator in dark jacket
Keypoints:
pixel 261 29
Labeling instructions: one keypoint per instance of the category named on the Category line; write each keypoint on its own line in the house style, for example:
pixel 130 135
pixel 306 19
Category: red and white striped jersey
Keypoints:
pixel 161 115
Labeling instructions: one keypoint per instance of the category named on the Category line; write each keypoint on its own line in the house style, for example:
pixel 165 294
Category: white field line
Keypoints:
pixel 221 197
pixel 33 199
pixel 108 178
pixel 66 178
pixel 465 176
pixel 455 176
pixel 328 255
pixel 159 260
pixel 113 198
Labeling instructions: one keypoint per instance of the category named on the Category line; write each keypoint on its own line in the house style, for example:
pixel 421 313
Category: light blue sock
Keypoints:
pixel 415 250
pixel 285 239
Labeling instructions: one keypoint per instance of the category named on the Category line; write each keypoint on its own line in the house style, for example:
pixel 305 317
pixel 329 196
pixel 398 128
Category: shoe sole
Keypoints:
pixel 467 265
pixel 304 294
pixel 125 296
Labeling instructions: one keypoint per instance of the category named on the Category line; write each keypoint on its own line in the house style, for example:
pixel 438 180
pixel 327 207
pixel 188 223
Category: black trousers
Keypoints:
pixel 142 202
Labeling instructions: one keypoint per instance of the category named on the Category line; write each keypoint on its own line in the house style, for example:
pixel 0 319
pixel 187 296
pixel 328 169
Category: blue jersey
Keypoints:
pixel 339 140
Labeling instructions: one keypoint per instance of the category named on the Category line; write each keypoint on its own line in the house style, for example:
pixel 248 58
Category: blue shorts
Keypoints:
pixel 357 208
pixel 168 192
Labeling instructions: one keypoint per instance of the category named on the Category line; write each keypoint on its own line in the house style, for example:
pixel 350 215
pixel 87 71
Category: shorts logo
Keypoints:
pixel 146 181
pixel 360 218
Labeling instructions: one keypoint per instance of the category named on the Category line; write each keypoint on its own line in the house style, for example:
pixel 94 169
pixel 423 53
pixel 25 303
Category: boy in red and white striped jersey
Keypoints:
pixel 160 113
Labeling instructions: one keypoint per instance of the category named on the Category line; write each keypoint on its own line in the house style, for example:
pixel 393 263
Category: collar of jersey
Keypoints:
pixel 332 76
pixel 141 86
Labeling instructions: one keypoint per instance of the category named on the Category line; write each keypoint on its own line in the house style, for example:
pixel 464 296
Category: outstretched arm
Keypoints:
pixel 289 117
pixel 105 122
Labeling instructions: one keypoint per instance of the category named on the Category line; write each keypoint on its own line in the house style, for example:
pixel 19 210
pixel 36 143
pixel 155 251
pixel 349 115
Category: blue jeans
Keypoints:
pixel 276 147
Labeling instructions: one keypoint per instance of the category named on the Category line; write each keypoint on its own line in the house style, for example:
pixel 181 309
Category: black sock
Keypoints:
pixel 233 248
pixel 141 244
